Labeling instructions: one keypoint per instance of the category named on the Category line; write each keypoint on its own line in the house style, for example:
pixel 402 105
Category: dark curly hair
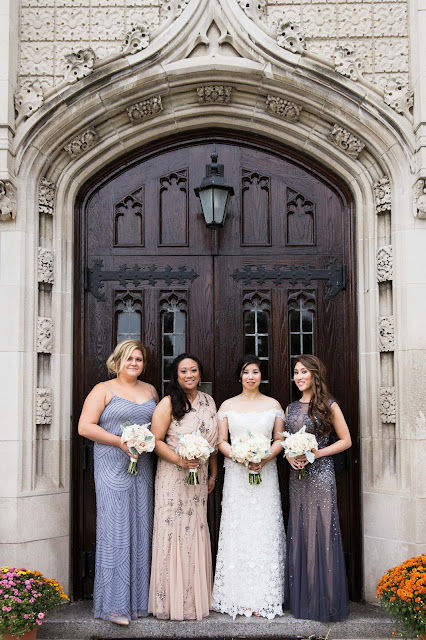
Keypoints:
pixel 319 406
pixel 178 397
pixel 249 358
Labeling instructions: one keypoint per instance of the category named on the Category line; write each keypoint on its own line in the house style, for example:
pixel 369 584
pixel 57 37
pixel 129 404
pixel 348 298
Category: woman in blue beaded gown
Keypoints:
pixel 124 502
pixel 316 587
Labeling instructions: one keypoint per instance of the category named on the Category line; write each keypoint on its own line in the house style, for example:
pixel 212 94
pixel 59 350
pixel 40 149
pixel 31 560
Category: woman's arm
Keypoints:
pixel 342 431
pixel 160 422
pixel 224 446
pixel 212 472
pixel 88 426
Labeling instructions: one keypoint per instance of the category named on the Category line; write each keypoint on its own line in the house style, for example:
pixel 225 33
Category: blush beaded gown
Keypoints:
pixel 316 587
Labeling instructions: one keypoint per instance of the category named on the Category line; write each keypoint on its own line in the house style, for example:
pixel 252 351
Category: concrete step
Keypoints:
pixel 75 622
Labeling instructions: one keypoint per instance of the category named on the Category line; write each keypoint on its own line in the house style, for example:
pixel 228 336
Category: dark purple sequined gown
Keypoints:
pixel 316 587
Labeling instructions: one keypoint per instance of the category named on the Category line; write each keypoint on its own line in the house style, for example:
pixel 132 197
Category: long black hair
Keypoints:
pixel 178 397
pixel 243 362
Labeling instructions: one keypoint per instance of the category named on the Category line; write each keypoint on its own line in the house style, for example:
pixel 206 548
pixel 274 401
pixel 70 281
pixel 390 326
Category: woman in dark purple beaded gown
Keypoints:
pixel 124 502
pixel 316 587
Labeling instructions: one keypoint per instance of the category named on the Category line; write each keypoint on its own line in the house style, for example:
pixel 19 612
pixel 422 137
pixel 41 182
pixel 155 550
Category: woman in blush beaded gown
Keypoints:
pixel 316 587
pixel 124 502
pixel 249 577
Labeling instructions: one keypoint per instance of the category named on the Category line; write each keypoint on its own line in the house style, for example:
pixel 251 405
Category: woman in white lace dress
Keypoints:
pixel 249 577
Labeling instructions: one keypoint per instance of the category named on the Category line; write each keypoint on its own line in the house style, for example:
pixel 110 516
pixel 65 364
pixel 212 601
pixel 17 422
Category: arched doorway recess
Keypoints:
pixel 278 279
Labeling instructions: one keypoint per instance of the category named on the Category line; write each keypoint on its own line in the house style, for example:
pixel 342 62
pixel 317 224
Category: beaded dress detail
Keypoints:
pixel 124 517
pixel 250 561
pixel 316 587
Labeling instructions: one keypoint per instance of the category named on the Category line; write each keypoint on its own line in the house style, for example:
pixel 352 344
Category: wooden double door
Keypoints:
pixel 278 280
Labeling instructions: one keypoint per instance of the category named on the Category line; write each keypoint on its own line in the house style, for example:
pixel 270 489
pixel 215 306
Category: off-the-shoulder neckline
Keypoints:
pixel 247 413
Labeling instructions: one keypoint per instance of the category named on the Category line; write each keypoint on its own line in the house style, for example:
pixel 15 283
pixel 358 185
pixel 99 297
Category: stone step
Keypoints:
pixel 75 622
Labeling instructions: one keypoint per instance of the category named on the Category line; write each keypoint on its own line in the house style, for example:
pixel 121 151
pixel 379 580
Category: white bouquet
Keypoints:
pixel 251 448
pixel 139 439
pixel 299 444
pixel 191 446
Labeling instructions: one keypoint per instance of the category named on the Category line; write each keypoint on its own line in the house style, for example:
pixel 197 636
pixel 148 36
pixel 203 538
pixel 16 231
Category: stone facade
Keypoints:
pixel 334 80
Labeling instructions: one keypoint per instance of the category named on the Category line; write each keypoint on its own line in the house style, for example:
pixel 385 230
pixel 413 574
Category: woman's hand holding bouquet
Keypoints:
pixel 300 444
pixel 139 439
pixel 192 446
pixel 250 448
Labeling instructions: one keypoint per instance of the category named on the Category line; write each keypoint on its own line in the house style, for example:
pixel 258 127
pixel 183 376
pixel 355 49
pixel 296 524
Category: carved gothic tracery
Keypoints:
pixel 44 335
pixel 386 334
pixel 128 221
pixel 300 220
pixel 44 406
pixel 7 201
pixel 79 64
pixel 346 141
pixel 290 37
pixel 136 39
pixel 46 197
pixel 45 265
pixel 283 108
pixel 382 195
pixel 388 405
pixel 384 264
pixel 82 142
pixel 144 110
pixel 214 94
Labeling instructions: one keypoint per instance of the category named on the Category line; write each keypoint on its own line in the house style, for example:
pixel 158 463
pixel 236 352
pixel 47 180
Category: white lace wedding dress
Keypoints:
pixel 250 561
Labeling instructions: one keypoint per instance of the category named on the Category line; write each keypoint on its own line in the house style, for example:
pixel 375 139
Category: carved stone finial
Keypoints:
pixel 283 108
pixel 44 335
pixel 7 201
pixel 136 39
pixel 387 405
pixel 214 94
pixel 420 199
pixel 79 64
pixel 45 265
pixel 399 96
pixel 386 334
pixel 28 99
pixel 346 141
pixel 144 110
pixel 46 197
pixel 382 195
pixel 290 37
pixel 347 63
pixel 82 142
pixel 384 263
pixel 44 406
pixel 254 8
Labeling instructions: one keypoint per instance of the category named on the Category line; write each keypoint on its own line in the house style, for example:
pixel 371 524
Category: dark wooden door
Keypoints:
pixel 277 280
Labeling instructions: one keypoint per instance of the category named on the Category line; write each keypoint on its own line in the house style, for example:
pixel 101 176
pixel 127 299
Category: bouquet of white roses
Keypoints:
pixel 299 444
pixel 251 448
pixel 191 446
pixel 139 439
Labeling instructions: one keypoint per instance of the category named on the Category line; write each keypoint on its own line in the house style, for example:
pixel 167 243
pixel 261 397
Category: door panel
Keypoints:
pixel 278 279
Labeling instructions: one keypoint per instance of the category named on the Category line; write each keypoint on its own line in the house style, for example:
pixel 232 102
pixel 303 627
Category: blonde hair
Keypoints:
pixel 122 353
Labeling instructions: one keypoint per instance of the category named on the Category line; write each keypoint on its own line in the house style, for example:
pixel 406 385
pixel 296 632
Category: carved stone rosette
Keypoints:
pixel 45 265
pixel 283 108
pixel 346 141
pixel 7 201
pixel 386 334
pixel 214 94
pixel 28 99
pixel 388 405
pixel 44 335
pixel 399 96
pixel 144 110
pixel 136 39
pixel 420 199
pixel 347 63
pixel 79 64
pixel 82 142
pixel 46 197
pixel 382 195
pixel 44 406
pixel 290 37
pixel 384 264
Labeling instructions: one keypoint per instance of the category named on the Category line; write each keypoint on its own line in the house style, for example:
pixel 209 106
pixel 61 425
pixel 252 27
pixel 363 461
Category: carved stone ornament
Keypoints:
pixel 172 7
pixel 45 265
pixel 386 334
pixel 136 39
pixel 44 335
pixel 420 199
pixel 347 63
pixel 382 195
pixel 7 201
pixel 145 109
pixel 387 405
pixel 79 64
pixel 346 141
pixel 28 99
pixel 44 406
pixel 46 197
pixel 214 94
pixel 384 264
pixel 82 142
pixel 283 108
pixel 254 8
pixel 399 96
pixel 290 37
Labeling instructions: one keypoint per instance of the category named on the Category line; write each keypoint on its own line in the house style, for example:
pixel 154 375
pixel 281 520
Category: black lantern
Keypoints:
pixel 214 194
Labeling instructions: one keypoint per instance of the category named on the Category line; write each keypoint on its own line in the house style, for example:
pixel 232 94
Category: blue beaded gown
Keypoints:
pixel 315 586
pixel 124 517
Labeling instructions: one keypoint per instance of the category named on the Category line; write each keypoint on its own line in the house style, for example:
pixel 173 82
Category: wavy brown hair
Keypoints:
pixel 319 406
